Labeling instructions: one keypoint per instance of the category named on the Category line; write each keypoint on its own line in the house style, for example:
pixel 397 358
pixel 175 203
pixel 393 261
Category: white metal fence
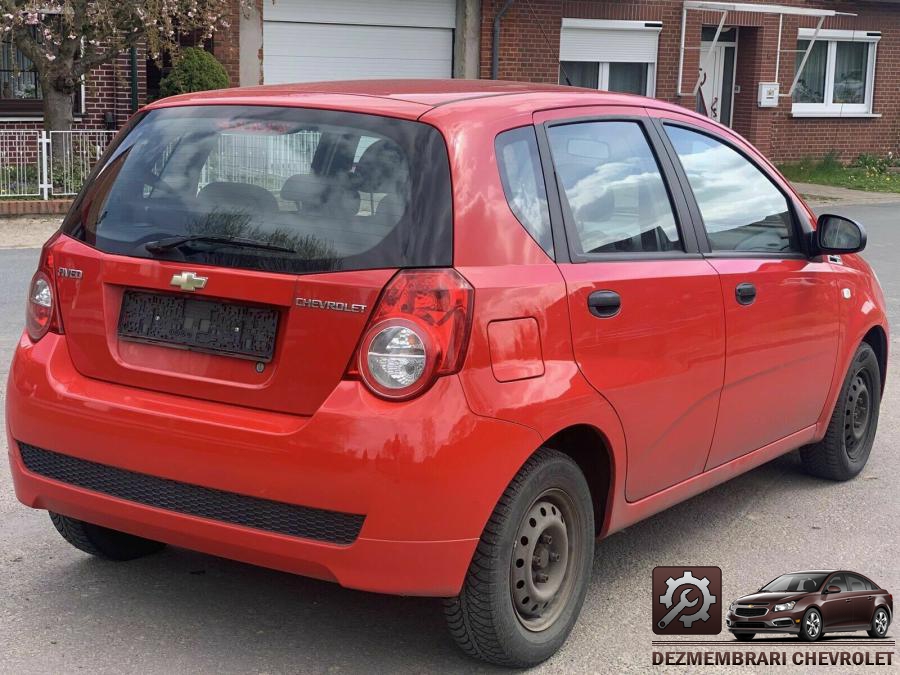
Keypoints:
pixel 48 164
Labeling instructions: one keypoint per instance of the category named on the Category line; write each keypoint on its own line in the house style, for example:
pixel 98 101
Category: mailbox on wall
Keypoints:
pixel 768 95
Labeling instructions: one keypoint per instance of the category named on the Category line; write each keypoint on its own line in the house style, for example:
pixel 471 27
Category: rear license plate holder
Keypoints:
pixel 208 325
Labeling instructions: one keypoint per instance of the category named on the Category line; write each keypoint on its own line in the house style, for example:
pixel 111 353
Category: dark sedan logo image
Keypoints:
pixel 811 603
pixel 686 601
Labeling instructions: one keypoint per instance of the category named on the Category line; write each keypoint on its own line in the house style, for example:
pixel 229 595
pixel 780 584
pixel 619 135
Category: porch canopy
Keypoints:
pixel 725 7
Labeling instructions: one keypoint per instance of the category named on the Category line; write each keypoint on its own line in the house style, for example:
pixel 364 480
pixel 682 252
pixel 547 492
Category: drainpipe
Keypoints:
pixel 495 47
pixel 134 80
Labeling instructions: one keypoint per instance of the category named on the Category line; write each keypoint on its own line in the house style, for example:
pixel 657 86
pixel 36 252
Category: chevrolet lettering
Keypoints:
pixel 313 303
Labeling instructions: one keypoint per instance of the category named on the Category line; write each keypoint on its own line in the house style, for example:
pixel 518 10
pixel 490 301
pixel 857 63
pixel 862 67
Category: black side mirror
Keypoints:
pixel 833 589
pixel 837 234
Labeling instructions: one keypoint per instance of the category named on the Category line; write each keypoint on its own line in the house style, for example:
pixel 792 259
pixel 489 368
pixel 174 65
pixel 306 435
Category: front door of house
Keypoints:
pixel 716 94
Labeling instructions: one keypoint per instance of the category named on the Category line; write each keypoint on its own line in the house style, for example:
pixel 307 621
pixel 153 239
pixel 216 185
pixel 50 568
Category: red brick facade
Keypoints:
pixel 529 50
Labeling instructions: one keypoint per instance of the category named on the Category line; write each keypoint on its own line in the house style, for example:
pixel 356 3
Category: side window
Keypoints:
pixel 523 183
pixel 614 190
pixel 857 583
pixel 742 209
pixel 839 581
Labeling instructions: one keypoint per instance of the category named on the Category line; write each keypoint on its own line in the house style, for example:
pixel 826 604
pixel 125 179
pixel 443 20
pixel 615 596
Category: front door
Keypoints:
pixel 781 308
pixel 645 307
pixel 716 94
pixel 837 608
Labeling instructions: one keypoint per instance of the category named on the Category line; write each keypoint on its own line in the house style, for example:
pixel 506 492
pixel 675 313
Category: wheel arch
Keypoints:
pixel 876 338
pixel 590 449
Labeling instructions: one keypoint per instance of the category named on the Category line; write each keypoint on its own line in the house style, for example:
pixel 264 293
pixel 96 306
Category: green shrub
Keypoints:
pixel 873 164
pixel 195 70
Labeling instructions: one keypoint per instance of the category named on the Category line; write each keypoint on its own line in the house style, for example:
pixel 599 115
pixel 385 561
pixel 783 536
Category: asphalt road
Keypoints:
pixel 182 612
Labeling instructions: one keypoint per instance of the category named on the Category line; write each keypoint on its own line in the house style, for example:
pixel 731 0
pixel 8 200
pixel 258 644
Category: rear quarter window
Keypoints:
pixel 312 190
pixel 523 183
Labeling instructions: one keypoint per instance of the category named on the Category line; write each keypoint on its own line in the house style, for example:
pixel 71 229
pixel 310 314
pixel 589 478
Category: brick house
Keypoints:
pixel 717 57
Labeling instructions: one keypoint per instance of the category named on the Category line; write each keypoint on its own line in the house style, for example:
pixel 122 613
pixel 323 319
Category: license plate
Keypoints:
pixel 215 326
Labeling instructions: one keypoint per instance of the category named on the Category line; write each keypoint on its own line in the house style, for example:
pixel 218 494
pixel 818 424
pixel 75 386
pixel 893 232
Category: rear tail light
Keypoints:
pixel 42 312
pixel 418 331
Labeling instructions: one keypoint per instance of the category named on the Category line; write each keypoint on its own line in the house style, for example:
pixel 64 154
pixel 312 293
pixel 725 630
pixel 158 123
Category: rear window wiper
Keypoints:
pixel 217 241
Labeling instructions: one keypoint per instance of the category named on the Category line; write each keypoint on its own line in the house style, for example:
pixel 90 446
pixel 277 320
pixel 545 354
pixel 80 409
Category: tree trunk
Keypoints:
pixel 58 107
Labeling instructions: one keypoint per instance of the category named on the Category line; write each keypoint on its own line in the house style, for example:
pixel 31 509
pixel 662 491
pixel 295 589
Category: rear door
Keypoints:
pixel 781 306
pixel 234 253
pixel 646 308
pixel 862 594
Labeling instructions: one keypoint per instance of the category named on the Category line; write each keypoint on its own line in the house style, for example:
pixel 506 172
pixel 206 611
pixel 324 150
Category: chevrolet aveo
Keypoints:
pixel 809 604
pixel 432 338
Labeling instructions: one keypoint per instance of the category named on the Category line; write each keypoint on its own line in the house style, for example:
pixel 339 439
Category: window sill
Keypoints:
pixel 31 118
pixel 834 115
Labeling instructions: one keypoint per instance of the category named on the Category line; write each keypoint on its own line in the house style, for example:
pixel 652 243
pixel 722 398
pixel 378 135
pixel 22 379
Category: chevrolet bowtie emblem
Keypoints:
pixel 188 281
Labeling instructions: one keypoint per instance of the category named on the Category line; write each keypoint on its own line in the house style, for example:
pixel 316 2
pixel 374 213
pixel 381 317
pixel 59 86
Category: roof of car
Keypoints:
pixel 408 97
pixel 815 572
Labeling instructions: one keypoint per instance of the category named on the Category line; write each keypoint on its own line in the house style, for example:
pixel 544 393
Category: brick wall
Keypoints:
pixel 526 55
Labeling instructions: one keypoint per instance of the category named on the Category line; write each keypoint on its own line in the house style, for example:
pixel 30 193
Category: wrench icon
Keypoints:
pixel 680 605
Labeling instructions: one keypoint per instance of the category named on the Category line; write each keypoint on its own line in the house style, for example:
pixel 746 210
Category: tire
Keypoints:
pixel 844 450
pixel 811 625
pixel 744 637
pixel 880 623
pixel 490 618
pixel 103 542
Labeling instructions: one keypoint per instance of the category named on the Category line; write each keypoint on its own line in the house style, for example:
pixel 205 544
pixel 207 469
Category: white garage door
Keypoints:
pixel 308 40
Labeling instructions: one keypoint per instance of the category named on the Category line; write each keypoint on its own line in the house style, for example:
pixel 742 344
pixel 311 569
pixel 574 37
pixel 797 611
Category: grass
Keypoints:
pixel 866 173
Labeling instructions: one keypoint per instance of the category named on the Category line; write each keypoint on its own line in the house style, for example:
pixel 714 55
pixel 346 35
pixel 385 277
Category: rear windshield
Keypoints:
pixel 278 189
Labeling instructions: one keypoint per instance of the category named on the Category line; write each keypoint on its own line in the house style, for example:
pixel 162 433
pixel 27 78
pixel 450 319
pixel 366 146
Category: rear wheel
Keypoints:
pixel 844 451
pixel 880 623
pixel 103 542
pixel 811 625
pixel 528 577
pixel 744 637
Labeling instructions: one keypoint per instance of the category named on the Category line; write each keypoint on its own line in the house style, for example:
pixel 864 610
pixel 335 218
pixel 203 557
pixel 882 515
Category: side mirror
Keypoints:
pixel 837 234
pixel 833 589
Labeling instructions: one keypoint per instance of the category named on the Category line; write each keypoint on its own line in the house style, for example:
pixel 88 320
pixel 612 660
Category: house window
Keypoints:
pixel 839 75
pixel 20 87
pixel 611 55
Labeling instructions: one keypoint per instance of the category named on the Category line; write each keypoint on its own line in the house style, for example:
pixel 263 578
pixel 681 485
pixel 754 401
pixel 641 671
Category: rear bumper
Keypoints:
pixel 425 475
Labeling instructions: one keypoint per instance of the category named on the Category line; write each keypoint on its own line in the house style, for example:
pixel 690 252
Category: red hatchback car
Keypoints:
pixel 432 338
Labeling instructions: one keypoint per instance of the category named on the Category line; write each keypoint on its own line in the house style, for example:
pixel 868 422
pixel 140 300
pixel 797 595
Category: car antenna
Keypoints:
pixel 547 40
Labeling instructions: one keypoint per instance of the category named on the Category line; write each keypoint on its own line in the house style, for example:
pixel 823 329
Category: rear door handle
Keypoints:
pixel 604 304
pixel 745 293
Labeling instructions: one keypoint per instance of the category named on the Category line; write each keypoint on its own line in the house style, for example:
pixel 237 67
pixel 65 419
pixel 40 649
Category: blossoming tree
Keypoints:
pixel 65 40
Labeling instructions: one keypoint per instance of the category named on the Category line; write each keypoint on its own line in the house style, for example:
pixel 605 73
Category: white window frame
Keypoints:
pixel 612 24
pixel 830 109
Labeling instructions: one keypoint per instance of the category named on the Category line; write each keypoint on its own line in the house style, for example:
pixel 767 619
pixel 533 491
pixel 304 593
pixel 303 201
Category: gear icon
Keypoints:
pixel 701 584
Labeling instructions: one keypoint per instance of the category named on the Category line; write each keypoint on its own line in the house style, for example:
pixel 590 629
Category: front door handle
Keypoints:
pixel 604 304
pixel 745 293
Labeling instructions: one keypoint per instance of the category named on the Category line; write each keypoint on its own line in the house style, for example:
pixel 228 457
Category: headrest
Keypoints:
pixel 321 196
pixel 250 198
pixel 382 168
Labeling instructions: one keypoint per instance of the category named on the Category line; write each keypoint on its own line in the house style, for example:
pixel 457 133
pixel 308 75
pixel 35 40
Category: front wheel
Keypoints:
pixel 844 451
pixel 811 626
pixel 880 623
pixel 529 575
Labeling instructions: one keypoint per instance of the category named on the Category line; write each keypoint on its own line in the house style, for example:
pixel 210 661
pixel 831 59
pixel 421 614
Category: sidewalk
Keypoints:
pixel 819 195
pixel 33 231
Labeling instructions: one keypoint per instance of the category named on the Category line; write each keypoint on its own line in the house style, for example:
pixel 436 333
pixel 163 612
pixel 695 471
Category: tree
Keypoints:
pixel 65 40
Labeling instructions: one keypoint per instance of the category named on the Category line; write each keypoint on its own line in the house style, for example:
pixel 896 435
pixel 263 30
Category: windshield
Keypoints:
pixel 278 189
pixel 799 582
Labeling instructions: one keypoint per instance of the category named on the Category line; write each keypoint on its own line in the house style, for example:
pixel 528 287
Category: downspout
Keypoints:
pixel 134 80
pixel 495 46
